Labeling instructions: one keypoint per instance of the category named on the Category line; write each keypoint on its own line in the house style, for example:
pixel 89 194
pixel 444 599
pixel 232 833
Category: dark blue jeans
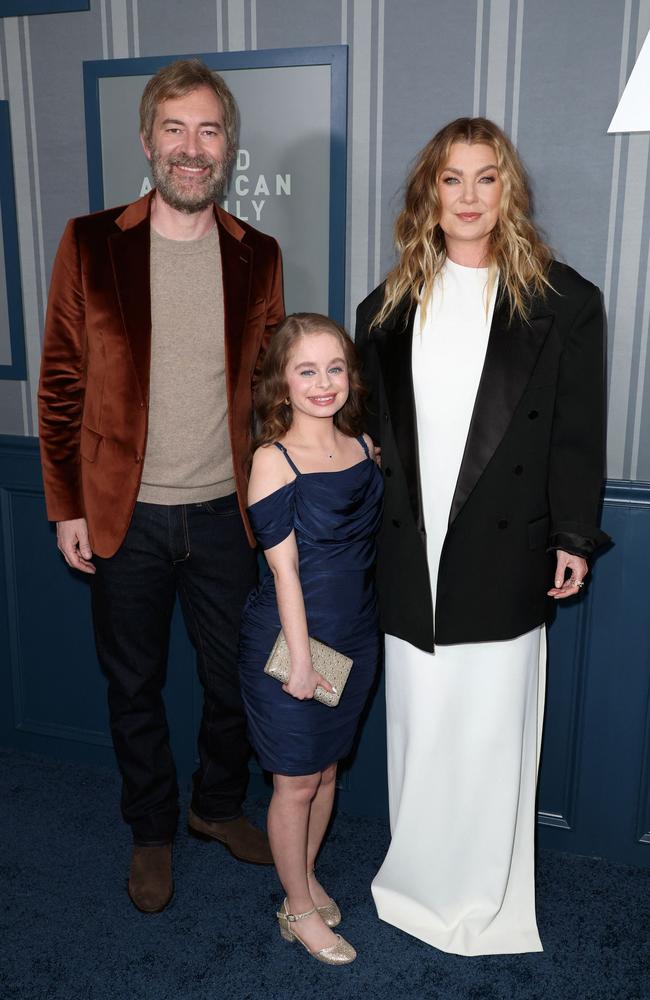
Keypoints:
pixel 200 552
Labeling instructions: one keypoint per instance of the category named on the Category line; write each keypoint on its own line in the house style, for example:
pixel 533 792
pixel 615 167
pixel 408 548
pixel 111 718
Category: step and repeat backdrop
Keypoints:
pixel 70 85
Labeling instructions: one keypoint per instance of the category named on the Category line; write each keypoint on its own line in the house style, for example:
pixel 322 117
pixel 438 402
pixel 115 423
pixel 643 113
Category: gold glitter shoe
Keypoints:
pixel 330 912
pixel 341 953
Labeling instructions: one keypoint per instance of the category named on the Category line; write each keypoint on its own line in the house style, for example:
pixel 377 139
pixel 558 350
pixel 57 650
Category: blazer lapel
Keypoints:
pixel 393 343
pixel 512 352
pixel 236 266
pixel 130 251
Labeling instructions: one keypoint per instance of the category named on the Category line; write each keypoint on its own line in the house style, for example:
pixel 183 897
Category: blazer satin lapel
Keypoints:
pixel 393 344
pixel 236 266
pixel 511 355
pixel 130 252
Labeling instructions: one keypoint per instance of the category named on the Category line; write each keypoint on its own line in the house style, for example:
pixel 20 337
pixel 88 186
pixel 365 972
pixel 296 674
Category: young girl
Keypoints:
pixel 315 499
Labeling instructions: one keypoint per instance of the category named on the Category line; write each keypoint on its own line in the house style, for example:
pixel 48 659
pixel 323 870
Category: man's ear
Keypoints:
pixel 147 151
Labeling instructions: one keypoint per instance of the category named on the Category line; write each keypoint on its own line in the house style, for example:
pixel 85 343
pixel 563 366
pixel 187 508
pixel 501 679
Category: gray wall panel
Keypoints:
pixel 644 420
pixel 11 407
pixel 59 46
pixel 550 72
pixel 169 27
pixel 563 118
pixel 294 22
pixel 429 62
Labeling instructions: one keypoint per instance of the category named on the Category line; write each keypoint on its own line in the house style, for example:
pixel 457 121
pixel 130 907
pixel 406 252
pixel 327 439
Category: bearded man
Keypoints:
pixel 158 315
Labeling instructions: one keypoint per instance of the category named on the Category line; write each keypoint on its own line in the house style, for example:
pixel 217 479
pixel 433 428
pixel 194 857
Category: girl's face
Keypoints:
pixel 317 375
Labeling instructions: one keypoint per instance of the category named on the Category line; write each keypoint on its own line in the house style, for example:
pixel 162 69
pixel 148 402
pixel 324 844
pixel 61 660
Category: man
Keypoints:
pixel 157 317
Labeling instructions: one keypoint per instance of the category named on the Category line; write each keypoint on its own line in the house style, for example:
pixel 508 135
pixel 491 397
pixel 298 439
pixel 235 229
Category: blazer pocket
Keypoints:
pixel 256 309
pixel 89 443
pixel 538 532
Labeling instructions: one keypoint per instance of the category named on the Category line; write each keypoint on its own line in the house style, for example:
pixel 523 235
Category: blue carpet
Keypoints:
pixel 68 930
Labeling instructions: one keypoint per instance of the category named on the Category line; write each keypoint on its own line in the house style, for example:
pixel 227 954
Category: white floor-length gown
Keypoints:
pixel 464 722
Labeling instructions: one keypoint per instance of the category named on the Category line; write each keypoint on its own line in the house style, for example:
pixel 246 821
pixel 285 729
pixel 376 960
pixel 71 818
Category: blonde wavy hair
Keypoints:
pixel 516 253
pixel 273 410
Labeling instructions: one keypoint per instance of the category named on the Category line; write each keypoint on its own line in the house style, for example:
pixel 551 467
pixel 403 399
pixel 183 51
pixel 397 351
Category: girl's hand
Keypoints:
pixel 303 682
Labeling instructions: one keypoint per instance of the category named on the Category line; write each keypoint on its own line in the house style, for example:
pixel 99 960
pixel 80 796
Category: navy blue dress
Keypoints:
pixel 335 516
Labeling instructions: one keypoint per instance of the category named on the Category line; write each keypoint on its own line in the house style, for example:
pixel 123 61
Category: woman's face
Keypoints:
pixel 469 188
pixel 317 375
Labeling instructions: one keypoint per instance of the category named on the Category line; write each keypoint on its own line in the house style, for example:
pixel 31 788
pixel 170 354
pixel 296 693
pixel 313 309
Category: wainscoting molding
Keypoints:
pixel 565 692
pixel 594 795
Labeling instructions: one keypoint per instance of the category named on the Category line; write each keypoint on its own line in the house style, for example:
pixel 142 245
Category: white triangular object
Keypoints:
pixel 633 111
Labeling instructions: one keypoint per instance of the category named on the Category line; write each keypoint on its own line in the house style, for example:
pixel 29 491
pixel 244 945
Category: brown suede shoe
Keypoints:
pixel 150 880
pixel 244 841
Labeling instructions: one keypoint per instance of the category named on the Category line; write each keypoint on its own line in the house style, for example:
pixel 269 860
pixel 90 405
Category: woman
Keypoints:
pixel 315 498
pixel 484 360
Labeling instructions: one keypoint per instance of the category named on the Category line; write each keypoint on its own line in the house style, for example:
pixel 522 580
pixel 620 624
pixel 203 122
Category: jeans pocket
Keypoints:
pixel 221 506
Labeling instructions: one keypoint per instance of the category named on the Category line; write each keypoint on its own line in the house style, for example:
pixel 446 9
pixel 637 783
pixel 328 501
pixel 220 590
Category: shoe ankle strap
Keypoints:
pixel 292 917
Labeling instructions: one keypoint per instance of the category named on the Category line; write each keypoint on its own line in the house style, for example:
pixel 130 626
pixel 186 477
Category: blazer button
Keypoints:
pixel 138 458
pixel 533 414
pixel 396 523
pixel 502 523
pixel 388 472
pixel 518 470
pixel 386 417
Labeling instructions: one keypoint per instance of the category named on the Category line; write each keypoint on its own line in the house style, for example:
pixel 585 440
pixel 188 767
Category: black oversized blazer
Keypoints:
pixel 530 477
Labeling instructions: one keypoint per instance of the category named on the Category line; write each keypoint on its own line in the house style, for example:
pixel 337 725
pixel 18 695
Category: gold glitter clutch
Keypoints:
pixel 333 666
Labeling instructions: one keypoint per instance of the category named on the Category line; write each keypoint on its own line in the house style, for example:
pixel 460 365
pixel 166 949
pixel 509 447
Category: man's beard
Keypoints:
pixel 193 196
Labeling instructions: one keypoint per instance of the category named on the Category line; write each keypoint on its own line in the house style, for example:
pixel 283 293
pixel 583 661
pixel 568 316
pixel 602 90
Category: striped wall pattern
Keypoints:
pixel 550 73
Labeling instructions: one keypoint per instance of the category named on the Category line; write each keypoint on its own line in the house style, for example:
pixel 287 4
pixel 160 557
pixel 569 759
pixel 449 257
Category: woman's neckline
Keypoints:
pixel 465 267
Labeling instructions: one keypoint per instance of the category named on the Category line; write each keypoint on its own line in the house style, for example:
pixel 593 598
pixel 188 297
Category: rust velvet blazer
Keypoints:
pixel 94 387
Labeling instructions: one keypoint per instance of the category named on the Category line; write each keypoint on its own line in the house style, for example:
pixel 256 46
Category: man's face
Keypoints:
pixel 188 150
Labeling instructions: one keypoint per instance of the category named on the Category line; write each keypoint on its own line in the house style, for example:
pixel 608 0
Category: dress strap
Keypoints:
pixel 362 442
pixel 287 456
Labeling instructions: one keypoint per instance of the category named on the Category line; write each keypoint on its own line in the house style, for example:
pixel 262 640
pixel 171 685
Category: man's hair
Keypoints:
pixel 180 78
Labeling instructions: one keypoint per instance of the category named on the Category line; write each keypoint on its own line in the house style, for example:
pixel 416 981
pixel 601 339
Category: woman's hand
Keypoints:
pixel 303 681
pixel 574 583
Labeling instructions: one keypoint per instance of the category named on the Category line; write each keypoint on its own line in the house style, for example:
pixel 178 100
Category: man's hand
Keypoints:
pixel 573 584
pixel 72 542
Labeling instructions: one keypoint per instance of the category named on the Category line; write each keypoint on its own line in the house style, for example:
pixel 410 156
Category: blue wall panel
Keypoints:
pixel 599 675
pixel 12 327
pixel 594 793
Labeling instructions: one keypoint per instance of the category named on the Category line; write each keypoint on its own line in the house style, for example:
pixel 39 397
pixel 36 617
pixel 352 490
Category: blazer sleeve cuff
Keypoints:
pixel 578 539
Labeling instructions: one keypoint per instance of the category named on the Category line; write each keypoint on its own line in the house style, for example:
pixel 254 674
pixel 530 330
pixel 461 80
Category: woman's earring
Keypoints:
pixel 287 401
